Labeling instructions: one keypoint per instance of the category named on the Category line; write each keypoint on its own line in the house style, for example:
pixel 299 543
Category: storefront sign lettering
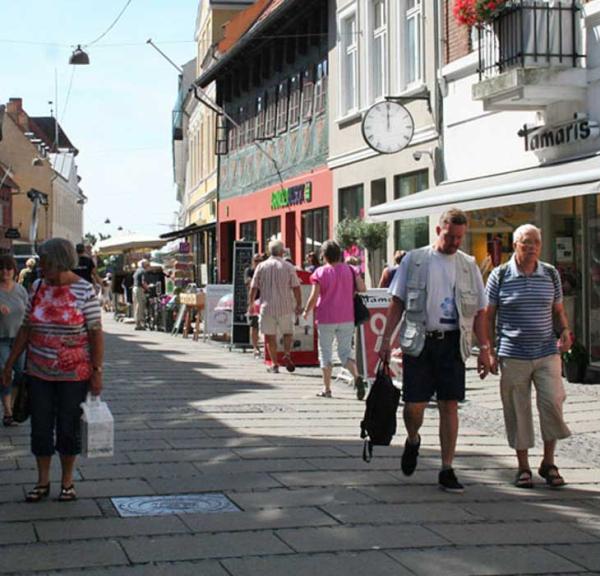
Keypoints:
pixel 292 196
pixel 576 130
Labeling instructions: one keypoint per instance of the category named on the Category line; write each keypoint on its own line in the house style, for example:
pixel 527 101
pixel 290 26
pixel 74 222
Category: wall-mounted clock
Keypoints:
pixel 388 127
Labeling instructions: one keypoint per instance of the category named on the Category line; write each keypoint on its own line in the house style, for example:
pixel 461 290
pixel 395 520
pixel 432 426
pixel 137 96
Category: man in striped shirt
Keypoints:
pixel 525 295
pixel 278 284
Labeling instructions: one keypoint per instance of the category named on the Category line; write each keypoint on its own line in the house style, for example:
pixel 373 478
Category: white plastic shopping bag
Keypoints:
pixel 97 428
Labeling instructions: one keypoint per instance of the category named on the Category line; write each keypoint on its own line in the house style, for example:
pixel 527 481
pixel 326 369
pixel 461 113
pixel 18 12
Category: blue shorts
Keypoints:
pixel 439 370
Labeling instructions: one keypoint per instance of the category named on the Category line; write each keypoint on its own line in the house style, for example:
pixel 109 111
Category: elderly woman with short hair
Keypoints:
pixel 332 294
pixel 62 333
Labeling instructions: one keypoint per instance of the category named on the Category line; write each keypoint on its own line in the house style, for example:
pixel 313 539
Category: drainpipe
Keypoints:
pixel 440 90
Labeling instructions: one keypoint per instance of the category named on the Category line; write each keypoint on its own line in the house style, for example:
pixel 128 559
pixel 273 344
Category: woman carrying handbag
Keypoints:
pixel 62 333
pixel 332 297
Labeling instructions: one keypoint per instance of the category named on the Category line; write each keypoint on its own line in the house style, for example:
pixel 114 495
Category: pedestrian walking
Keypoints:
pixel 28 275
pixel 311 262
pixel 525 298
pixel 62 332
pixel 13 302
pixel 140 287
pixel 438 295
pixel 389 271
pixel 253 317
pixel 280 302
pixel 332 297
pixel 86 267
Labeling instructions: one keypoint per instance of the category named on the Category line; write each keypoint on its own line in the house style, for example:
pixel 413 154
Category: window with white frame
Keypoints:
pixel 378 48
pixel 412 25
pixel 348 62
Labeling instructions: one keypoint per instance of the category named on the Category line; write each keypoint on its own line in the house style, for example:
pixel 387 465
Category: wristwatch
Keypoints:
pixel 97 369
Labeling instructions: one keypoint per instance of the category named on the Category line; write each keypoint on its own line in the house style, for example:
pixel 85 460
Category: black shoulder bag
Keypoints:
pixel 361 312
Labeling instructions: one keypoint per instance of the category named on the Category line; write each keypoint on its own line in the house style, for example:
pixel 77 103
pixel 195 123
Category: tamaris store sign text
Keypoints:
pixel 576 130
pixel 291 196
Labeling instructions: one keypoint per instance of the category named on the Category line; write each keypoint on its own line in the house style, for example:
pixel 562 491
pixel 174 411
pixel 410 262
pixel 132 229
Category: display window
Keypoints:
pixel 271 230
pixel 315 230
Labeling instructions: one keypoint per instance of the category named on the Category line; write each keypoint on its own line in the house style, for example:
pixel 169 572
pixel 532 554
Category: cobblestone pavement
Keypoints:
pixel 193 417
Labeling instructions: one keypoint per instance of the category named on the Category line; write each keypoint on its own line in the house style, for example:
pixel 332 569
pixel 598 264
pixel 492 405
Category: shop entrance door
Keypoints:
pixel 226 239
pixel 290 235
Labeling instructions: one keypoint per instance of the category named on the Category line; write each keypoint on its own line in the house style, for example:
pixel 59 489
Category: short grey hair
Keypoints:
pixel 142 263
pixel 276 248
pixel 524 229
pixel 59 255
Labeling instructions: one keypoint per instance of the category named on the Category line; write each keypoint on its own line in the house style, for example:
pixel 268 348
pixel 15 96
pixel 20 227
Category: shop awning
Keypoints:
pixel 187 231
pixel 128 242
pixel 564 180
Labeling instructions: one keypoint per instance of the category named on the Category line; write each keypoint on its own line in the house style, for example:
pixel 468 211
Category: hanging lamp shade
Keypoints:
pixel 79 57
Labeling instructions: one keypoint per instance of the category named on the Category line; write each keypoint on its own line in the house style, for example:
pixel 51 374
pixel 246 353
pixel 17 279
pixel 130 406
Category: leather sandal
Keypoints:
pixel 550 473
pixel 524 479
pixel 7 421
pixel 67 494
pixel 38 493
pixel 324 394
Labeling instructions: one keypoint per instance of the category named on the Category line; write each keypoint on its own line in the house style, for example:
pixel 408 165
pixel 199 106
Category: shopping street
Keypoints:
pixel 193 417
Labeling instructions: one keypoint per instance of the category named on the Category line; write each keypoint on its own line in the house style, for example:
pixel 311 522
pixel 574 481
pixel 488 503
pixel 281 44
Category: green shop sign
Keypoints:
pixel 292 196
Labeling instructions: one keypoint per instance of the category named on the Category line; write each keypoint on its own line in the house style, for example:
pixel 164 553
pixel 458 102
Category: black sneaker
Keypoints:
pixel 409 457
pixel 449 482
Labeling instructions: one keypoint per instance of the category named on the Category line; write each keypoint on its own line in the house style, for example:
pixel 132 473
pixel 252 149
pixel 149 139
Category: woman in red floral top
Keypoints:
pixel 62 333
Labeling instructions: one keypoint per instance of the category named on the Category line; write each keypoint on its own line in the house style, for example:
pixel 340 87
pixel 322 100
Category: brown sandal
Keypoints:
pixel 38 493
pixel 550 473
pixel 524 479
pixel 67 494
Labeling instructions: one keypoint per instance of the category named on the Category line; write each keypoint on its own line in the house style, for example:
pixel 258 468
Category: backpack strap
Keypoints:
pixel 502 270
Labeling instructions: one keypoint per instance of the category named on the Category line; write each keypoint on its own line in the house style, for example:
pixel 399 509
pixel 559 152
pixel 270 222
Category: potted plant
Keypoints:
pixel 575 362
pixel 347 232
pixel 477 13
pixel 372 237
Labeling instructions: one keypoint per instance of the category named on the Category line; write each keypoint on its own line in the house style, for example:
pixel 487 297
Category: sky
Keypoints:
pixel 119 109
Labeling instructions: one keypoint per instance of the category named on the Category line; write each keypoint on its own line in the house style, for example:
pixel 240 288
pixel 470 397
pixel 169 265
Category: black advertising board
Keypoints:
pixel 242 259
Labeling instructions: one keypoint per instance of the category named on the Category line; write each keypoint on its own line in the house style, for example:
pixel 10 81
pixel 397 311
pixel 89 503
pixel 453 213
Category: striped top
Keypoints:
pixel 275 278
pixel 59 319
pixel 525 310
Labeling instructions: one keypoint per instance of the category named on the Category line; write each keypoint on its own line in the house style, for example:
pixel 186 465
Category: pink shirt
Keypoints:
pixel 336 296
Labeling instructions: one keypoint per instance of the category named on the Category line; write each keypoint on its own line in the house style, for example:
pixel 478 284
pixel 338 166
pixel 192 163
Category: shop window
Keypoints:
pixel 413 232
pixel 593 225
pixel 271 230
pixel 294 100
pixel 248 231
pixel 351 202
pixel 282 106
pixel 378 192
pixel 308 91
pixel 315 230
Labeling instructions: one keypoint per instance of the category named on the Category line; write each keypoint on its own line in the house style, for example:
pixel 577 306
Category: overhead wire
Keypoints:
pixel 112 24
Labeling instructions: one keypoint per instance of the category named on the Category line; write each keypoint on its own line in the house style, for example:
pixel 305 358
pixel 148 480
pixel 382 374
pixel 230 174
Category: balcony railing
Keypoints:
pixel 531 34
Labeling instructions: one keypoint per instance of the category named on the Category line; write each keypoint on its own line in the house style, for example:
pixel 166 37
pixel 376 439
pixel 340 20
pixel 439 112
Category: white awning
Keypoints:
pixel 128 242
pixel 575 178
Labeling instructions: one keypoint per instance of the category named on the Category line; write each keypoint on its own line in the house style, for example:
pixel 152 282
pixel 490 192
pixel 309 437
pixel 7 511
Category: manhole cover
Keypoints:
pixel 179 504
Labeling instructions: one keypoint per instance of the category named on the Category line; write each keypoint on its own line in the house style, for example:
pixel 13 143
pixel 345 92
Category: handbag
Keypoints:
pixel 97 428
pixel 361 312
pixel 21 409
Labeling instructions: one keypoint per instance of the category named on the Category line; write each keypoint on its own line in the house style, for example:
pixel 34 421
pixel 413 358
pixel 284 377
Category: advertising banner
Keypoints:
pixel 218 308
pixel 242 259
pixel 370 335
pixel 304 343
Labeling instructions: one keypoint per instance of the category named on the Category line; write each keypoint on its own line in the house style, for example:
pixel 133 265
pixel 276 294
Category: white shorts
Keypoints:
pixel 343 333
pixel 270 325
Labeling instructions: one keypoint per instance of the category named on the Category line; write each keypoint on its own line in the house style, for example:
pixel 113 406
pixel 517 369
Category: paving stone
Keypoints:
pixel 48 557
pixel 284 498
pixel 109 528
pixel 48 509
pixel 246 466
pixel 341 479
pixel 171 470
pixel 512 533
pixel 213 482
pixel 348 564
pixel 203 546
pixel 200 568
pixel 399 513
pixel 487 560
pixel 12 493
pixel 568 510
pixel 16 533
pixel 113 488
pixel 297 452
pixel 341 538
pixel 586 555
pixel 212 455
pixel 258 520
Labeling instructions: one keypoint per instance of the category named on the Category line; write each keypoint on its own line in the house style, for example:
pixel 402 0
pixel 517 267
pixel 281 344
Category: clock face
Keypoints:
pixel 388 127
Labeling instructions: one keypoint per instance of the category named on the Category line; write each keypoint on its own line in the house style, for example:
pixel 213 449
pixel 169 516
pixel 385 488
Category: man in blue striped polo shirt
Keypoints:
pixel 525 295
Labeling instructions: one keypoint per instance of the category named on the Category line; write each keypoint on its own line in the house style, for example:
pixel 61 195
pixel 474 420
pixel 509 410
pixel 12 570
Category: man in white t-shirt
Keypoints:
pixel 438 293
